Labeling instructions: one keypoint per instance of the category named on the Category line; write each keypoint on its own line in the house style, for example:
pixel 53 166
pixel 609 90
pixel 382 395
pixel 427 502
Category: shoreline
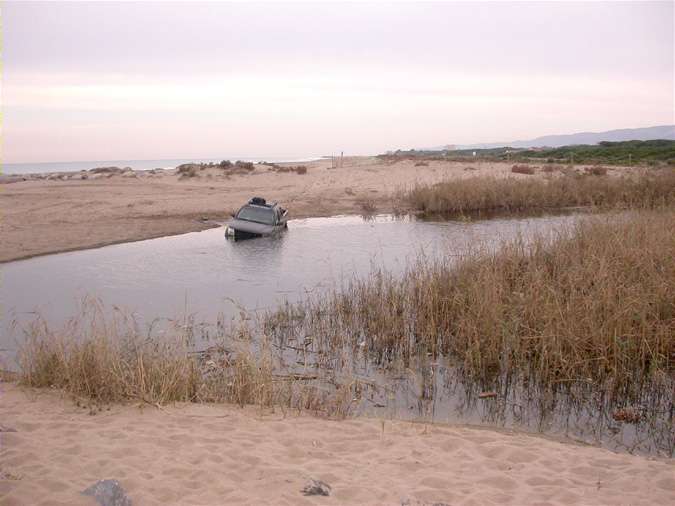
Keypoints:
pixel 212 453
pixel 41 217
pixel 209 225
pixel 199 227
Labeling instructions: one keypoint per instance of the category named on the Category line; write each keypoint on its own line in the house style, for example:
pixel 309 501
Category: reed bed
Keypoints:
pixel 107 361
pixel 477 194
pixel 100 359
pixel 593 307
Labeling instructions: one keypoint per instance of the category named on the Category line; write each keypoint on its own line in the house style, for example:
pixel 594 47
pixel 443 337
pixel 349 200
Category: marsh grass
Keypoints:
pixel 595 306
pixel 478 194
pixel 98 358
pixel 107 361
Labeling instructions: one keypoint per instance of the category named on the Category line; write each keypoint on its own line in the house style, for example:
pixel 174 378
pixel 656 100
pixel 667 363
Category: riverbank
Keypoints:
pixel 75 211
pixel 215 454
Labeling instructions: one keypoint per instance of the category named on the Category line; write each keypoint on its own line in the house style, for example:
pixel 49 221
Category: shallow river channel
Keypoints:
pixel 214 279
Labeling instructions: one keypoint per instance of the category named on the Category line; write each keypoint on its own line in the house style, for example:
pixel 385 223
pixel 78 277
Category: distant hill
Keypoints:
pixel 556 141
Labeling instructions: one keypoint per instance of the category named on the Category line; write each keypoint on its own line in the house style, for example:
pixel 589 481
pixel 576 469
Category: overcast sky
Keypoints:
pixel 94 81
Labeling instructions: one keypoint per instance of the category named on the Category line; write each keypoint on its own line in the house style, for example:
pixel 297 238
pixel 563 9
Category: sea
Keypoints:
pixel 46 167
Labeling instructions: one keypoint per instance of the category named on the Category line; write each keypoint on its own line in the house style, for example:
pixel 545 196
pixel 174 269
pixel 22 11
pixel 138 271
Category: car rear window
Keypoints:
pixel 256 214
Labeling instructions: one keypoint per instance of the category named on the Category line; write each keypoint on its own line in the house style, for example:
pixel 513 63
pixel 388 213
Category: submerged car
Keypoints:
pixel 257 218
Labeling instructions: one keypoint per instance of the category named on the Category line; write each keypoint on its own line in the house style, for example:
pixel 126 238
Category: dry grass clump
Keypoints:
pixel 523 169
pixel 99 359
pixel 108 365
pixel 490 194
pixel 367 206
pixel 596 171
pixel 595 307
pixel 421 164
pixel 105 360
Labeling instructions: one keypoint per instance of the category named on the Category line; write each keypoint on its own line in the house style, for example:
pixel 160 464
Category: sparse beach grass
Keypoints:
pixel 478 194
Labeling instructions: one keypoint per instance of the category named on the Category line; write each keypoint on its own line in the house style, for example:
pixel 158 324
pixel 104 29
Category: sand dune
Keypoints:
pixel 215 454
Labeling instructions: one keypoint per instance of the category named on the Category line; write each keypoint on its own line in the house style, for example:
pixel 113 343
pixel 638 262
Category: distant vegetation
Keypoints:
pixel 615 153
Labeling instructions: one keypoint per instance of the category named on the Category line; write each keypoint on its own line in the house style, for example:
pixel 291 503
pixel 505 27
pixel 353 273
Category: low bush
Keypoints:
pixel 188 170
pixel 248 166
pixel 523 169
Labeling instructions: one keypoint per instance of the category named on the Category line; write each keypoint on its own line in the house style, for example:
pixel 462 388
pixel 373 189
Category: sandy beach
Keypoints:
pixel 218 454
pixel 41 216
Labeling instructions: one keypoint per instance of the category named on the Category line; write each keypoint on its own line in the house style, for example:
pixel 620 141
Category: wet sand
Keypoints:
pixel 219 454
pixel 43 216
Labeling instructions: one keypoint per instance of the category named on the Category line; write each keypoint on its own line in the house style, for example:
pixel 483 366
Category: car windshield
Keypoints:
pixel 257 214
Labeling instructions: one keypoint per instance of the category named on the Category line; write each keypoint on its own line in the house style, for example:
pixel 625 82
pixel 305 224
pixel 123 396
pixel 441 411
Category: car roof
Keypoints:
pixel 261 206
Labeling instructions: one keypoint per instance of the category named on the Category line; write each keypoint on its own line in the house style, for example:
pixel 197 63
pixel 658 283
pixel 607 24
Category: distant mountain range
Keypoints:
pixel 554 141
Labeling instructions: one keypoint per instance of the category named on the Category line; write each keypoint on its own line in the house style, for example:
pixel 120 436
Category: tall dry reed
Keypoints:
pixel 478 194
pixel 106 360
pixel 595 306
pixel 103 358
